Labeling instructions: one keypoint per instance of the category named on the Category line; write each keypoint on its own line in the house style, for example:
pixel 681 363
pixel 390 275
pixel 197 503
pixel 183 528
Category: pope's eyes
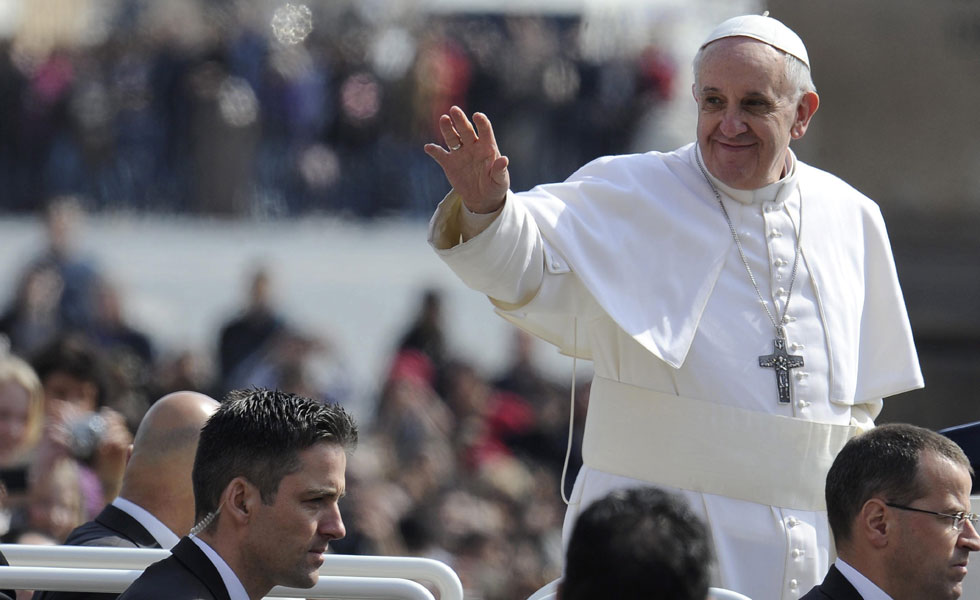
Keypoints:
pixel 757 105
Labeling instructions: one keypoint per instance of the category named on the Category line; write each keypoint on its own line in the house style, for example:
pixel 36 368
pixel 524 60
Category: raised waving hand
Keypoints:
pixel 473 163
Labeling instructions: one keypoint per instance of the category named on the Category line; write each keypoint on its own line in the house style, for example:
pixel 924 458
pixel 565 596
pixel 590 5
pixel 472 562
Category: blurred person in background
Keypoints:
pixel 488 422
pixel 32 538
pixel 425 333
pixel 644 264
pixel 33 316
pixel 250 335
pixel 155 506
pixel 21 420
pixel 259 348
pixel 64 219
pixel 410 415
pixel 79 424
pixel 128 352
pixel 55 505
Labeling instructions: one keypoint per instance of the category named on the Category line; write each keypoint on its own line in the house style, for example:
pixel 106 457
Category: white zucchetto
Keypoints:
pixel 765 29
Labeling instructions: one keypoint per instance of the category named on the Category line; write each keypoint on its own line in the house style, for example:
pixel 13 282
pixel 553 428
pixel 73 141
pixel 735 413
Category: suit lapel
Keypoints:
pixel 194 559
pixel 125 525
pixel 837 587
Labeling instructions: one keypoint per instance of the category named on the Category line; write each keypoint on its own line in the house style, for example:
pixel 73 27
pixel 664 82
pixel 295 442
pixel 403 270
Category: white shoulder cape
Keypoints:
pixel 645 236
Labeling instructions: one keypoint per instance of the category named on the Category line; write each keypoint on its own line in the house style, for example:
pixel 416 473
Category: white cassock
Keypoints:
pixel 630 263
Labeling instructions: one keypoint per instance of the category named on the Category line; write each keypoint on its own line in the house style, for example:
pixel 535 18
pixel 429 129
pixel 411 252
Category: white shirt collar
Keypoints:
pixel 774 192
pixel 864 586
pixel 236 591
pixel 160 532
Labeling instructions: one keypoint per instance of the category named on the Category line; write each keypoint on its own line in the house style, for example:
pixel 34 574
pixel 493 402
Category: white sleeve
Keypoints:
pixel 505 261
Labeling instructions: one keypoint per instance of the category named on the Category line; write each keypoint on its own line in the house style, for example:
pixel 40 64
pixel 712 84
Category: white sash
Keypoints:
pixel 710 448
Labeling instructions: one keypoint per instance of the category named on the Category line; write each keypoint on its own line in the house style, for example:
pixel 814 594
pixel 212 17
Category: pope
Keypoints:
pixel 741 307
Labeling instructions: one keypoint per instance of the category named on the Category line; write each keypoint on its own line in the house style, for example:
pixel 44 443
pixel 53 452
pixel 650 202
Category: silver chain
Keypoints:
pixel 778 325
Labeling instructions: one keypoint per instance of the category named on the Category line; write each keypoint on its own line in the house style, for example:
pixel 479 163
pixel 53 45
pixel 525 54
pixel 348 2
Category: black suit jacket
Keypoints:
pixel 187 574
pixel 6 594
pixel 834 587
pixel 112 527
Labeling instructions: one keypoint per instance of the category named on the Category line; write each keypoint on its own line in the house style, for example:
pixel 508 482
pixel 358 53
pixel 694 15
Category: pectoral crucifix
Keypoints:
pixel 782 362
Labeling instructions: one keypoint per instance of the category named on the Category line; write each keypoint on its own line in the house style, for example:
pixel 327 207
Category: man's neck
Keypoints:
pixel 863 575
pixel 775 191
pixel 154 523
pixel 229 552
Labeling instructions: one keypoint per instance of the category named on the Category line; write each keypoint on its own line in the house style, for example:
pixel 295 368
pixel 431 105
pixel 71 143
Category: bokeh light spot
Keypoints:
pixel 291 23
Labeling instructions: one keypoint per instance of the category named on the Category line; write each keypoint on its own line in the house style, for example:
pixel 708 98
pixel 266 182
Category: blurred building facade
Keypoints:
pixel 897 120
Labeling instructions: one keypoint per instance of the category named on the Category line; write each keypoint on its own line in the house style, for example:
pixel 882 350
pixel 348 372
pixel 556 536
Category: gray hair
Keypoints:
pixel 797 73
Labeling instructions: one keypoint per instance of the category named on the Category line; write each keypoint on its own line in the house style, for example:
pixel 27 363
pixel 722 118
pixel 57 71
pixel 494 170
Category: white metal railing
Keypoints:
pixel 116 580
pixel 25 555
pixel 443 578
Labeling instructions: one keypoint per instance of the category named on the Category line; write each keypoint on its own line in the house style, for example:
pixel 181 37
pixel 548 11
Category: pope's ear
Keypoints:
pixel 807 106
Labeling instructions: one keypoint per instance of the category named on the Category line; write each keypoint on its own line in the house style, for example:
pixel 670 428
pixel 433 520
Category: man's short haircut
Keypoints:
pixel 258 434
pixel 882 463
pixel 638 544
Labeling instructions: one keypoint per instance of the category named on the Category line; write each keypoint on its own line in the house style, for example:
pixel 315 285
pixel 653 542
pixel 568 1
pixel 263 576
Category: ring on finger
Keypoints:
pixel 456 147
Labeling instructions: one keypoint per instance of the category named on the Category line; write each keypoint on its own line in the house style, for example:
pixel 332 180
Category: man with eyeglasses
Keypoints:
pixel 898 500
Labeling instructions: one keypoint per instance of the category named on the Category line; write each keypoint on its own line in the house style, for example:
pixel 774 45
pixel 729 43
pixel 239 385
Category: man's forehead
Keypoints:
pixel 754 68
pixel 945 476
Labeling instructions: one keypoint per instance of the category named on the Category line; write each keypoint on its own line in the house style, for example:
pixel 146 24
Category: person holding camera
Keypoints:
pixel 78 422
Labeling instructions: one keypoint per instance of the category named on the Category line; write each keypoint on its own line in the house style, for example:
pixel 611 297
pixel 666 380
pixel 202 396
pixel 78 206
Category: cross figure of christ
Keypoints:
pixel 782 362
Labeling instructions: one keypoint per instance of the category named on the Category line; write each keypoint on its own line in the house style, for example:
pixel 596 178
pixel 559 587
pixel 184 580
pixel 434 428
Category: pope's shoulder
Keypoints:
pixel 654 163
pixel 832 191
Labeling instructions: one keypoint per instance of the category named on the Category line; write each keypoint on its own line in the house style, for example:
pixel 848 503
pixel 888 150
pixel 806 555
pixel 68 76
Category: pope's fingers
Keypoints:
pixel 448 130
pixel 438 154
pixel 436 151
pixel 498 171
pixel 484 129
pixel 467 135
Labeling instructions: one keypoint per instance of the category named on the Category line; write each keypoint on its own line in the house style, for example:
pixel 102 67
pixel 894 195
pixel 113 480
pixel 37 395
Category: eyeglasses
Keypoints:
pixel 959 519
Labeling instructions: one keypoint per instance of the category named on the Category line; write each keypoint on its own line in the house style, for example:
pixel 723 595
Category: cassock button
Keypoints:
pixel 797 553
pixel 793 584
pixel 792 522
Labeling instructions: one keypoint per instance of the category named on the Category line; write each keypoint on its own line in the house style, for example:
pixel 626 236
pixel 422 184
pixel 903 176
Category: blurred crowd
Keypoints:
pixel 206 108
pixel 454 463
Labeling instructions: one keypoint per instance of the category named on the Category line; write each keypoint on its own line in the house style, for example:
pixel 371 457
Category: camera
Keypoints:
pixel 85 434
